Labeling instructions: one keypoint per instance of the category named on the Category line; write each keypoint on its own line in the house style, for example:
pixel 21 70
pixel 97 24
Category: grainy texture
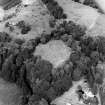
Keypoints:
pixel 9 93
pixel 35 16
pixel 41 82
pixel 51 53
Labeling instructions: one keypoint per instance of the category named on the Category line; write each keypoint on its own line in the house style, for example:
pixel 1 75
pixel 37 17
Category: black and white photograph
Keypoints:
pixel 52 52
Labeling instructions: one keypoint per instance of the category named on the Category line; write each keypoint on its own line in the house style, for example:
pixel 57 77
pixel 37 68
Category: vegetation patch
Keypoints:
pixel 39 80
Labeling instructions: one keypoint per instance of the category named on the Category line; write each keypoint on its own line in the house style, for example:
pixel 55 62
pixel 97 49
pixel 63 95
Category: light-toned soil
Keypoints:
pixel 36 15
pixel 9 93
pixel 54 51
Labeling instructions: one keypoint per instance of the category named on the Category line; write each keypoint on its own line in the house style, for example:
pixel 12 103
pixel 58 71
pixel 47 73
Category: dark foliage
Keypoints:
pixel 35 76
pixel 19 41
pixel 36 41
pixel 33 99
pixel 67 31
pixel 98 76
pixel 65 37
pixel 52 23
pixel 84 63
pixel 38 75
pixel 94 57
pixel 3 55
pixel 42 69
pixel 9 26
pixel 20 24
pixel 25 28
pixel 4 37
pixel 85 44
pixel 78 32
pixel 24 100
pixel 90 78
pixel 76 0
pixel 68 68
pixel 94 89
pixel 9 69
pixel 43 83
pixel 73 29
pixel 51 94
pixel 101 45
pixel 74 57
pixel 90 3
pixel 76 74
pixel 55 9
pixel 45 38
pixel 60 86
pixel 5 51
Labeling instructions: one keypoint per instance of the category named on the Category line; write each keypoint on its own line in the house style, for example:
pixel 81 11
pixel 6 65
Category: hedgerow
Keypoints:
pixel 55 9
